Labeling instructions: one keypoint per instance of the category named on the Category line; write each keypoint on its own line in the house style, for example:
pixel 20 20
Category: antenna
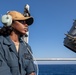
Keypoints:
pixel 26 10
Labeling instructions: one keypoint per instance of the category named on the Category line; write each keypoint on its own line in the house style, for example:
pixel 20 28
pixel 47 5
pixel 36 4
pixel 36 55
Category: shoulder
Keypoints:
pixel 1 41
pixel 28 47
pixel 1 38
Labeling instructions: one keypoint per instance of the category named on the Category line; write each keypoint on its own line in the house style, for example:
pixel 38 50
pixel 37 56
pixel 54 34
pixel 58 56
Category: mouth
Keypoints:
pixel 26 29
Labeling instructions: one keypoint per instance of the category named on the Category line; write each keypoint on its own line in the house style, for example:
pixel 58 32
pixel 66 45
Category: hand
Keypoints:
pixel 32 73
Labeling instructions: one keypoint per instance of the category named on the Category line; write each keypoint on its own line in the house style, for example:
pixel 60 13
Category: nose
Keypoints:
pixel 26 25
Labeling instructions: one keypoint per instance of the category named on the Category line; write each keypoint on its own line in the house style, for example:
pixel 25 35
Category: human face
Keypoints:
pixel 20 26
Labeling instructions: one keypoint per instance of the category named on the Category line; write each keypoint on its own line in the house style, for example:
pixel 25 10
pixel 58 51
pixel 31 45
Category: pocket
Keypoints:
pixel 12 63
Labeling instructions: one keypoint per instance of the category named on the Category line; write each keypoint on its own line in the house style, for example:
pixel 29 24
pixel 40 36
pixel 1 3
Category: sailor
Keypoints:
pixel 15 56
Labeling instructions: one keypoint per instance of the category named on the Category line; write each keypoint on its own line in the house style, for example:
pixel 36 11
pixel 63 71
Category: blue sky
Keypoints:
pixel 52 19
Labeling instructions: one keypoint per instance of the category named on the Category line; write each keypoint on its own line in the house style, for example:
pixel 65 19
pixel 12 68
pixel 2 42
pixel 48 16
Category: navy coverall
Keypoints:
pixel 13 62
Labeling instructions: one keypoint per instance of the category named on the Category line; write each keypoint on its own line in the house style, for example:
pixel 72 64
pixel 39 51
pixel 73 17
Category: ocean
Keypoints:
pixel 57 69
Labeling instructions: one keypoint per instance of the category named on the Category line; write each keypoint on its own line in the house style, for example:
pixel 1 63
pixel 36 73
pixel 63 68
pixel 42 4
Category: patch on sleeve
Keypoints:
pixel 27 56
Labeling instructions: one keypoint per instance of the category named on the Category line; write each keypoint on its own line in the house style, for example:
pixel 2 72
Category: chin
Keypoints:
pixel 22 33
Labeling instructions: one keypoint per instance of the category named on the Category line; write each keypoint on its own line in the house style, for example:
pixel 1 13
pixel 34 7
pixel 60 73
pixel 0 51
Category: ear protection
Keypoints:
pixel 6 20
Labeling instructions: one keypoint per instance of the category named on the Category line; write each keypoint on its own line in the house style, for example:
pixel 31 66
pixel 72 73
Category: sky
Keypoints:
pixel 52 19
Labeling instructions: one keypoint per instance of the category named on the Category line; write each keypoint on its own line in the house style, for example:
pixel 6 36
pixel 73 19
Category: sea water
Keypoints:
pixel 57 69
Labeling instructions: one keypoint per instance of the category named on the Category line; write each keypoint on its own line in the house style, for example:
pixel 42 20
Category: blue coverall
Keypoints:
pixel 13 62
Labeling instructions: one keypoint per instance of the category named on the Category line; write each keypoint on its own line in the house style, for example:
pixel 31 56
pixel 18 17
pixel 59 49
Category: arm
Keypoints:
pixel 32 68
pixel 4 69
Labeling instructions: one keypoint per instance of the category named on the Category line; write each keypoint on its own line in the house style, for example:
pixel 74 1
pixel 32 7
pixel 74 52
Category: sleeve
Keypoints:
pixel 4 69
pixel 31 68
pixel 31 65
